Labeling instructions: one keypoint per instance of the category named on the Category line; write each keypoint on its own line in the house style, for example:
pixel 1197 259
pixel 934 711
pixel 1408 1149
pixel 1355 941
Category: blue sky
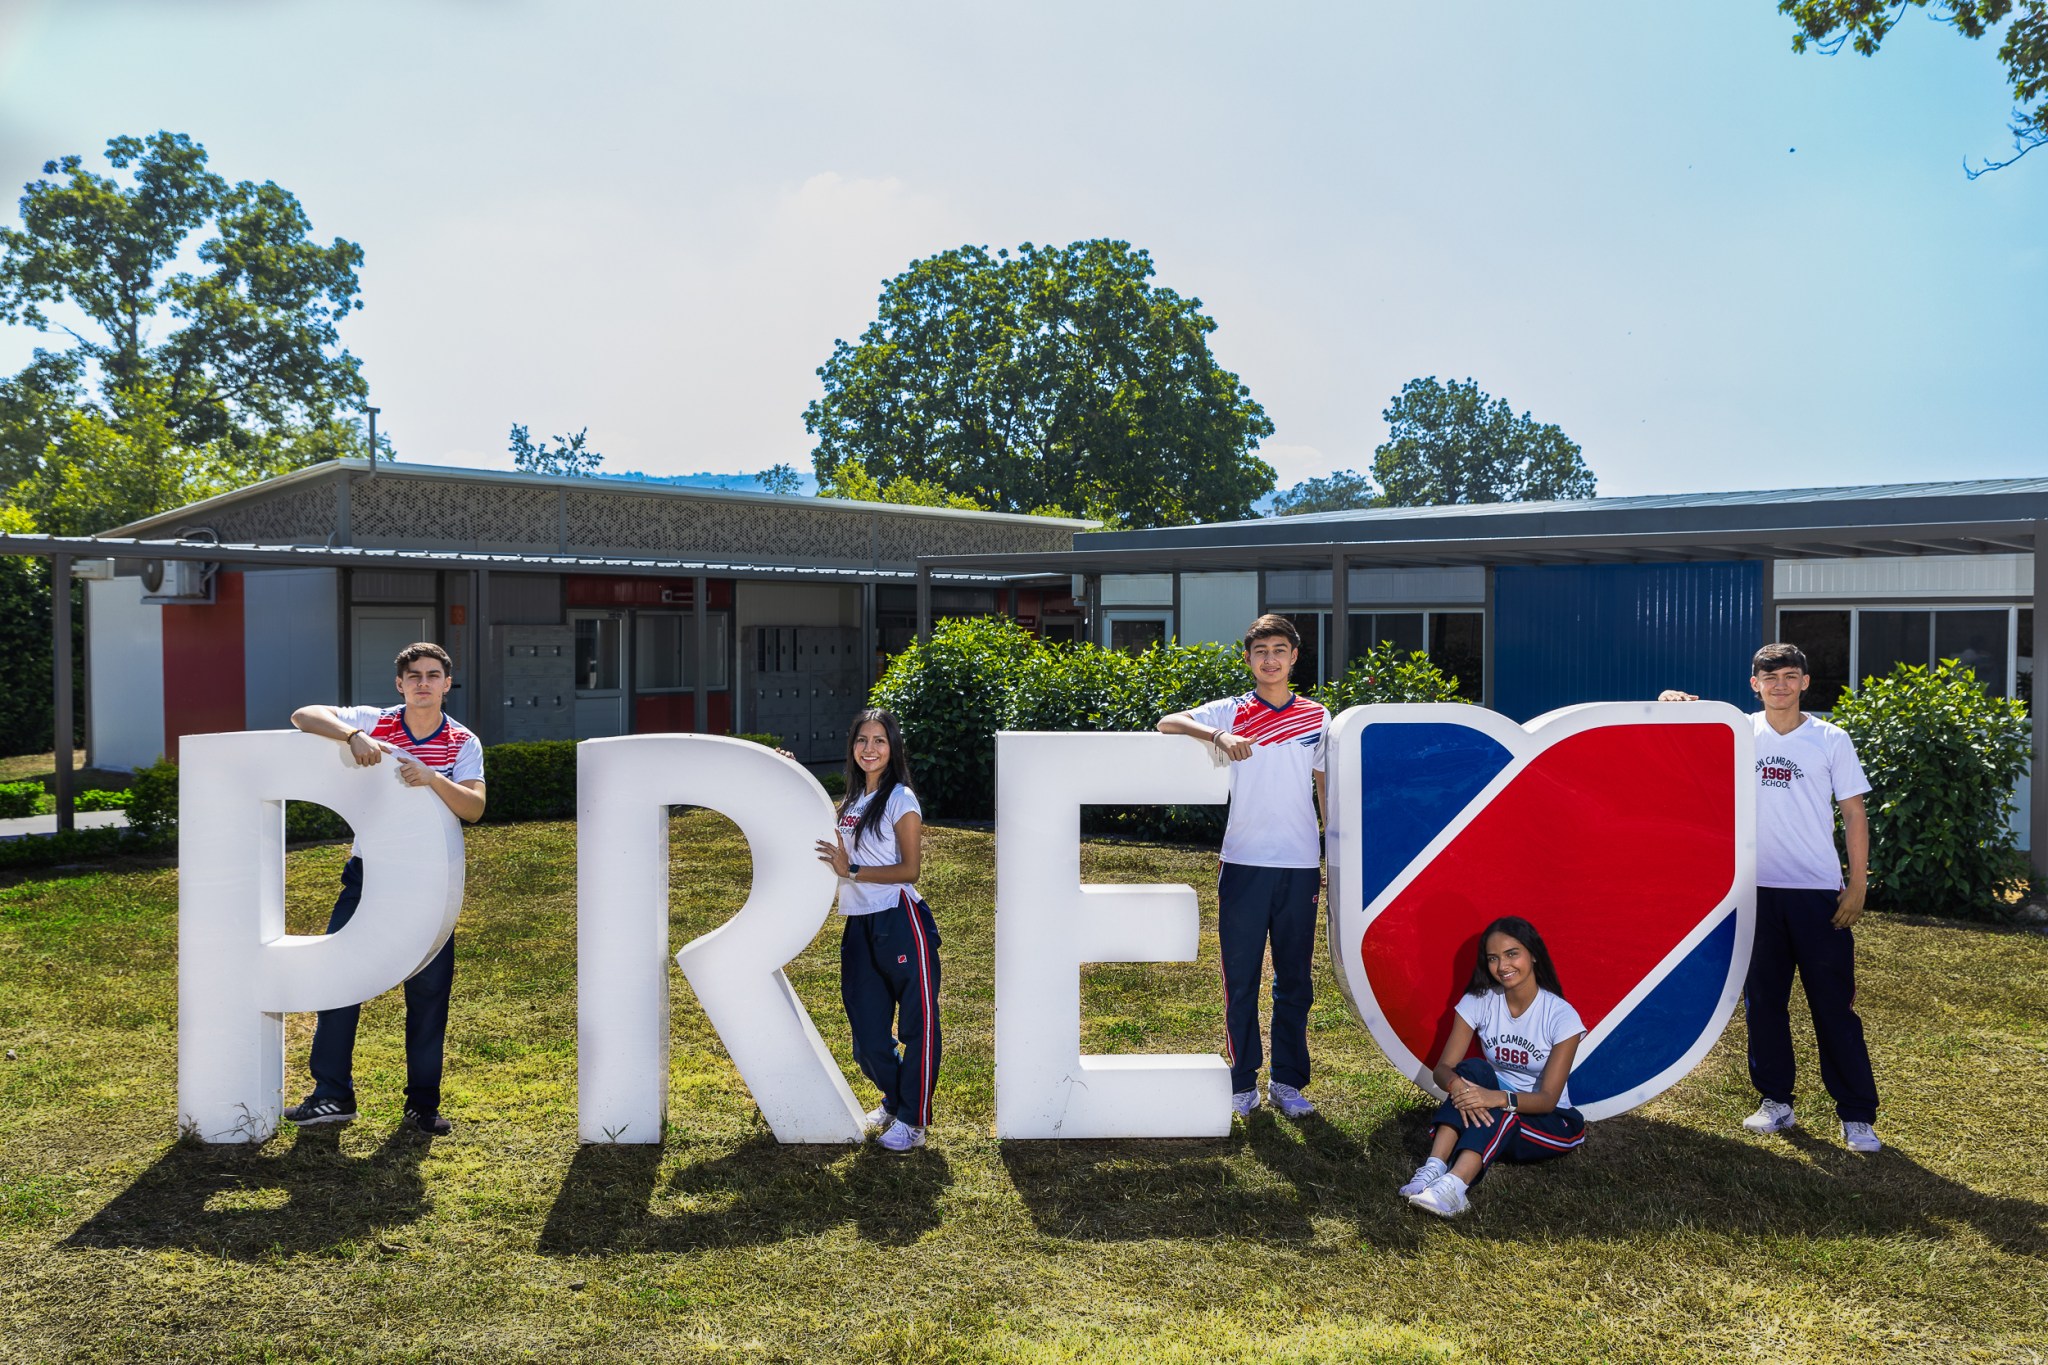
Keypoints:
pixel 1715 264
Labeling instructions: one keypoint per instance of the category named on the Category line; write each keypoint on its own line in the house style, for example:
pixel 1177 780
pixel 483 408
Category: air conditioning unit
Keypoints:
pixel 182 581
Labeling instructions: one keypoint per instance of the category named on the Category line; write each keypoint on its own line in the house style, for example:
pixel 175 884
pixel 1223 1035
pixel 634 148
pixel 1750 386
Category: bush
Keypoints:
pixel 19 798
pixel 153 802
pixel 1386 675
pixel 98 799
pixel 530 781
pixel 767 741
pixel 72 846
pixel 951 695
pixel 1942 758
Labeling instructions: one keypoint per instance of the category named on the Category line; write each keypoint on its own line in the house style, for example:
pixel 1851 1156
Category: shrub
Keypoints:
pixel 535 780
pixel 72 846
pixel 101 800
pixel 768 741
pixel 153 802
pixel 951 696
pixel 1384 675
pixel 19 798
pixel 1942 758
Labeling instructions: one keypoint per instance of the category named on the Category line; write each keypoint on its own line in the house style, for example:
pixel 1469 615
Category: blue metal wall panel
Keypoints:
pixel 1574 633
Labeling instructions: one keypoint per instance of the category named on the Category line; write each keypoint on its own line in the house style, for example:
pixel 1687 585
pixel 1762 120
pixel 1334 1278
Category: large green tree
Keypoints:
pixel 1453 443
pixel 1048 378
pixel 1829 25
pixel 1345 490
pixel 227 372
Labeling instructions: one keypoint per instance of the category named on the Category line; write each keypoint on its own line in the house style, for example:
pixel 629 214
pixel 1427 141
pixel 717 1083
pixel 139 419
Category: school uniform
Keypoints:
pixel 889 967
pixel 1271 877
pixel 1512 1054
pixel 1801 777
pixel 457 754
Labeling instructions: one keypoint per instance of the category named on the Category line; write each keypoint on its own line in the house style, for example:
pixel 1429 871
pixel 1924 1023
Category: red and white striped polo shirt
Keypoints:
pixel 453 751
pixel 1272 795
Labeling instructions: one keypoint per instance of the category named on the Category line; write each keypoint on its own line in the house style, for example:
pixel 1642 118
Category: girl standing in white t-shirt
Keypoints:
pixel 889 952
pixel 1511 1102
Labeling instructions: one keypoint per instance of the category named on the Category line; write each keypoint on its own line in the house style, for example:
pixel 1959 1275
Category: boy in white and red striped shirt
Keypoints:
pixel 436 752
pixel 1272 860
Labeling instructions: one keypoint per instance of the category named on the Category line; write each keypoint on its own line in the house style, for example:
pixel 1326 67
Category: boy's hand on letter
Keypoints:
pixel 367 754
pixel 1234 747
pixel 1673 694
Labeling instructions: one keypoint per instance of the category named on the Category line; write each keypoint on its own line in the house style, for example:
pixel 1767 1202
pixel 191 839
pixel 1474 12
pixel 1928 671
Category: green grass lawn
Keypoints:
pixel 1671 1235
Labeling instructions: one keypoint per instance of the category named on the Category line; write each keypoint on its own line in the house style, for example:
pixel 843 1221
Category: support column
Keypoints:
pixel 870 640
pixel 483 673
pixel 2037 775
pixel 924 605
pixel 1173 636
pixel 60 631
pixel 700 620
pixel 1340 616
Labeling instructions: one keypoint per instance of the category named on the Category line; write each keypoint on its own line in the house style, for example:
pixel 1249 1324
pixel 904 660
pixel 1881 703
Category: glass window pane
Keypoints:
pixel 715 626
pixel 1824 635
pixel 1977 641
pixel 1887 639
pixel 2023 685
pixel 1457 645
pixel 597 654
pixel 1134 635
pixel 1401 629
pixel 1308 668
pixel 658 651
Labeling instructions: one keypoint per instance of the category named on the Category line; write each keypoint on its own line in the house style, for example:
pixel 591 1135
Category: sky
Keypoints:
pixel 1715 264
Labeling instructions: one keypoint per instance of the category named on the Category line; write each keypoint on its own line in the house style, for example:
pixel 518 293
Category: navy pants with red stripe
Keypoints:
pixel 1254 906
pixel 1512 1137
pixel 889 981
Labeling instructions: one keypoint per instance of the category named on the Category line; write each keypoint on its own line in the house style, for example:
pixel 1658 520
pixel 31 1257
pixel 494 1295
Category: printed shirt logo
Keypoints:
pixel 437 751
pixel 1300 720
pixel 1777 771
pixel 1610 828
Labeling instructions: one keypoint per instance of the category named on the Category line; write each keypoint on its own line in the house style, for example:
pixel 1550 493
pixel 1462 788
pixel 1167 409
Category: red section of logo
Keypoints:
pixel 1615 843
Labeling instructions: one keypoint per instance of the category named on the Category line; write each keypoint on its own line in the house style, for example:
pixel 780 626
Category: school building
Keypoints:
pixel 574 608
pixel 1533 606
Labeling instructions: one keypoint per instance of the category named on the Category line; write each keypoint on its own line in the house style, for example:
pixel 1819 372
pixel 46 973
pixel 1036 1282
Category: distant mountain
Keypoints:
pixel 807 483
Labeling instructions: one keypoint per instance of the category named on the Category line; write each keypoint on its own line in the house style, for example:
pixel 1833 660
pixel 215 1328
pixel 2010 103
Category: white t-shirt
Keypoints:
pixel 452 750
pixel 876 848
pixel 1799 778
pixel 1272 795
pixel 1519 1049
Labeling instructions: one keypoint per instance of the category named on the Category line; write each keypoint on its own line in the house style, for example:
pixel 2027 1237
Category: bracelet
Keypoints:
pixel 349 738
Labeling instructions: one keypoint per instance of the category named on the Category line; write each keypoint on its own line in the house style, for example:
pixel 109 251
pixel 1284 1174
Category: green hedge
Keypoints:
pixel 19 798
pixel 984 674
pixel 1942 758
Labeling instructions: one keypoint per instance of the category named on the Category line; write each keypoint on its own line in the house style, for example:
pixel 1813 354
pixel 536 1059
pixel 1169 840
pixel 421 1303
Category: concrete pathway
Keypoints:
pixel 28 826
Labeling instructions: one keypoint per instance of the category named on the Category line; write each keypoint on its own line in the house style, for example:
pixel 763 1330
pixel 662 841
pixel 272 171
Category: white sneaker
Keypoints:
pixel 879 1118
pixel 1445 1197
pixel 1425 1175
pixel 1770 1117
pixel 902 1138
pixel 1290 1101
pixel 1244 1101
pixel 1861 1137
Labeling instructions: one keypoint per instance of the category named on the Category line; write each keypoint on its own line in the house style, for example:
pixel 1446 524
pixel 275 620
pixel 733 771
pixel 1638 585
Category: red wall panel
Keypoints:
pixel 612 590
pixel 204 674
pixel 675 712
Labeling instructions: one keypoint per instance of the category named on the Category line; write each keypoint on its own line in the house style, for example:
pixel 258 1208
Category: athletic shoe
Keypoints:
pixel 1861 1138
pixel 1427 1174
pixel 1445 1197
pixel 433 1125
pixel 1244 1101
pixel 1290 1101
pixel 1770 1117
pixel 879 1118
pixel 318 1109
pixel 902 1139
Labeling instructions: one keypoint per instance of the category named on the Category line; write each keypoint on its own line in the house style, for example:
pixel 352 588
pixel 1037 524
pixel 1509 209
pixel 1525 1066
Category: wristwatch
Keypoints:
pixel 1512 1097
pixel 853 872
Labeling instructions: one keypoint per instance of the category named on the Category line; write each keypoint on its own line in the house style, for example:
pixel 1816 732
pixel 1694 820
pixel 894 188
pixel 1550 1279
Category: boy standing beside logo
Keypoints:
pixel 1272 860
pixel 1805 767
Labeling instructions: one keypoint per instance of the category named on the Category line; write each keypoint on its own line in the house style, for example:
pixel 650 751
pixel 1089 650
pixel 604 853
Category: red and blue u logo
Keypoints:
pixel 1625 832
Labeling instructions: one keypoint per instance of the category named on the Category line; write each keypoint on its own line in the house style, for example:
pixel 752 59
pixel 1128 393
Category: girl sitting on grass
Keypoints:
pixel 1511 1101
pixel 889 952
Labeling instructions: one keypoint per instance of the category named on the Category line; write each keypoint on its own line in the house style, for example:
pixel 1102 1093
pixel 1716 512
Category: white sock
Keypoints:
pixel 1437 1164
pixel 1460 1185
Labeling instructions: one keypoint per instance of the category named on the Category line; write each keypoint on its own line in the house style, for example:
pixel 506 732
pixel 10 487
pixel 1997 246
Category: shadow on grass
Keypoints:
pixel 760 1192
pixel 245 1203
pixel 1271 1181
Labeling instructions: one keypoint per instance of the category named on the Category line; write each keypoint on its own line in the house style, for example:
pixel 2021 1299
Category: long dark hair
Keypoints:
pixel 897 774
pixel 1524 933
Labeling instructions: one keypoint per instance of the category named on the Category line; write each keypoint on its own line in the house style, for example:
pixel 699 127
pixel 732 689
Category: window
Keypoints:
pixel 1401 629
pixel 1136 632
pixel 1845 646
pixel 1824 635
pixel 665 651
pixel 1454 640
pixel 1457 645
pixel 597 653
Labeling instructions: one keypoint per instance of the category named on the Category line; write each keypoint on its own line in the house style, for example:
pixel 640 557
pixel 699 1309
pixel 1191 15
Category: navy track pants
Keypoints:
pixel 1512 1137
pixel 1793 932
pixel 889 982
pixel 426 1019
pixel 1255 905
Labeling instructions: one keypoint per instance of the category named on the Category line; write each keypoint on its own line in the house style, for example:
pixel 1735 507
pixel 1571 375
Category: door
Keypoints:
pixel 600 673
pixel 378 634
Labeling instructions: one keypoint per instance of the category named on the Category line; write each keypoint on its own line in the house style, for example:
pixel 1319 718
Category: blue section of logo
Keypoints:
pixel 1664 1025
pixel 1414 780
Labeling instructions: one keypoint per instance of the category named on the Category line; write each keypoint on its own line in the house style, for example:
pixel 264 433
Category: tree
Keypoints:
pixel 1827 25
pixel 1451 443
pixel 1048 377
pixel 850 480
pixel 780 479
pixel 568 456
pixel 248 344
pixel 1343 491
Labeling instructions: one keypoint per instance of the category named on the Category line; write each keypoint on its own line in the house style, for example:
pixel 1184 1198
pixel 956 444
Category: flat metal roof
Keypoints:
pixel 354 557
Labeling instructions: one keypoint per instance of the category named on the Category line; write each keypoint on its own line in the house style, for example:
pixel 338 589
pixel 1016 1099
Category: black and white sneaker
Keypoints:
pixel 433 1125
pixel 319 1109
